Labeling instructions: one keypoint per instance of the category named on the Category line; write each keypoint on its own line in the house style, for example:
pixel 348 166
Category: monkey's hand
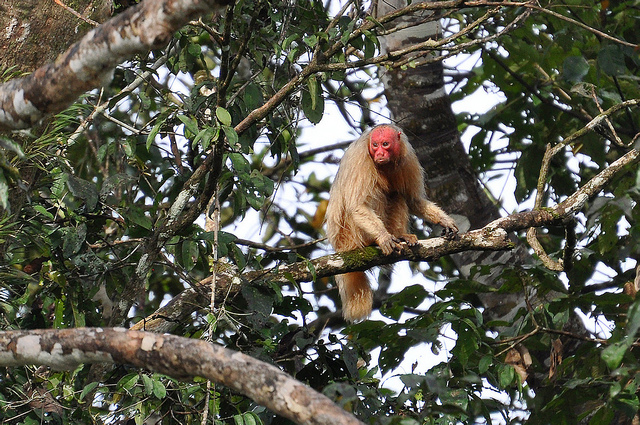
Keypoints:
pixel 388 243
pixel 450 231
pixel 410 239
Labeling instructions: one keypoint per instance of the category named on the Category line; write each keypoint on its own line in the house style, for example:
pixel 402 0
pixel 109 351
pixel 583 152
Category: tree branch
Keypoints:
pixel 177 357
pixel 90 62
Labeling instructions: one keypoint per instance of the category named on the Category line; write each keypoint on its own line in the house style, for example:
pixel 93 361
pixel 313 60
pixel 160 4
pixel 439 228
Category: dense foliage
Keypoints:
pixel 81 199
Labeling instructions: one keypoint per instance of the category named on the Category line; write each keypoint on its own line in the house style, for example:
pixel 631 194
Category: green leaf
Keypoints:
pixel 614 353
pixel 74 240
pixel 408 421
pixel 194 49
pixel 313 101
pixel 137 216
pixel 575 68
pixel 223 116
pixel 129 146
pixel 88 389
pixel 252 96
pixel 263 184
pixel 627 404
pixel 84 190
pixel 189 254
pixel 129 381
pixel 603 415
pixel 611 60
pixel 251 418
pixel 159 390
pixel 371 44
pixel 160 121
pixel 190 124
pixel 311 40
pixel 485 363
pixel 633 319
pixel 466 344
pixel 206 136
pixel 506 375
pixel 11 146
pixel 231 134
pixel 240 163
pixel 411 297
pixel 58 318
pixel 148 384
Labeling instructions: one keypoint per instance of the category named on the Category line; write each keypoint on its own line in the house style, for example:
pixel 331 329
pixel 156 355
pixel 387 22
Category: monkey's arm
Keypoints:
pixel 373 228
pixel 434 214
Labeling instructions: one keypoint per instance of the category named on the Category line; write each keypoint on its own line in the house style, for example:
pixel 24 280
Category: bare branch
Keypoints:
pixel 90 62
pixel 536 6
pixel 177 357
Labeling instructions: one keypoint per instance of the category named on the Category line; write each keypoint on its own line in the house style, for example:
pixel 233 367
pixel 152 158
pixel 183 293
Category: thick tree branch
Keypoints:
pixel 90 62
pixel 177 357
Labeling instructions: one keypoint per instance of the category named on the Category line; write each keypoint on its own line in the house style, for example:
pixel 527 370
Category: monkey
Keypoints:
pixel 378 183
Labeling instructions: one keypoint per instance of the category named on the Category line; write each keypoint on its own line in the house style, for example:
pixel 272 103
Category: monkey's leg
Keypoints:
pixel 371 224
pixel 398 220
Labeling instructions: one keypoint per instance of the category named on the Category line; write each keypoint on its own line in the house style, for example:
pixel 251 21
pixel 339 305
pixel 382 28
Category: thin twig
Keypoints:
pixel 252 244
pixel 599 33
pixel 76 14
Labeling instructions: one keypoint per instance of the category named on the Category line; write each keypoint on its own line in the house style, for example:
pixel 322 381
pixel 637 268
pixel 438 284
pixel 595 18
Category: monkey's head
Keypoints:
pixel 385 145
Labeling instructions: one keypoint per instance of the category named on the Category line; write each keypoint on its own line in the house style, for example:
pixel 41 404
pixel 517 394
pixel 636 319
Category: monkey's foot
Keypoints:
pixel 409 238
pixel 450 234
pixel 388 244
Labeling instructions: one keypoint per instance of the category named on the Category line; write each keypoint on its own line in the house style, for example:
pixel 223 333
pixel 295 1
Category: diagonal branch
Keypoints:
pixel 229 281
pixel 177 357
pixel 90 62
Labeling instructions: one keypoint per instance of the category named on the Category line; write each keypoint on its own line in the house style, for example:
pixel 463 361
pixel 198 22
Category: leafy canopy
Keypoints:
pixel 98 184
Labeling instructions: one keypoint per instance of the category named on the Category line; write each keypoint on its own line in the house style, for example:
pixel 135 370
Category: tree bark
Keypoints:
pixel 34 33
pixel 430 122
pixel 177 357
pixel 90 62
pixel 432 129
pixel 451 181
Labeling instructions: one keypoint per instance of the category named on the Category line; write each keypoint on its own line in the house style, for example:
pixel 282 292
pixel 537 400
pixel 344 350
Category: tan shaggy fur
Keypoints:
pixel 370 204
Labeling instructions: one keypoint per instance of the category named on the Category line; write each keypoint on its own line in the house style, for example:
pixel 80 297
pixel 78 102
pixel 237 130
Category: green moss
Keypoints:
pixel 360 257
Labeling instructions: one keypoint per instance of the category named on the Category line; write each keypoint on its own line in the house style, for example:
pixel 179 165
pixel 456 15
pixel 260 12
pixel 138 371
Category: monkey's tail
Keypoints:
pixel 356 295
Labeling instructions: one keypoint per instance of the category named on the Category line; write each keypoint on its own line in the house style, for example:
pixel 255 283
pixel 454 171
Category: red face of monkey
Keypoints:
pixel 384 145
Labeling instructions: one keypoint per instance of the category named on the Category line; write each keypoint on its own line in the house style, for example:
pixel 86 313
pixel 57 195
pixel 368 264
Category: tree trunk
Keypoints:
pixel 432 129
pixel 34 33
pixel 452 183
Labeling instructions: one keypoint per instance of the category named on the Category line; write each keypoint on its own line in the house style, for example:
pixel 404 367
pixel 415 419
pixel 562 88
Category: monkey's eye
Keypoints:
pixel 385 144
pixel 374 144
